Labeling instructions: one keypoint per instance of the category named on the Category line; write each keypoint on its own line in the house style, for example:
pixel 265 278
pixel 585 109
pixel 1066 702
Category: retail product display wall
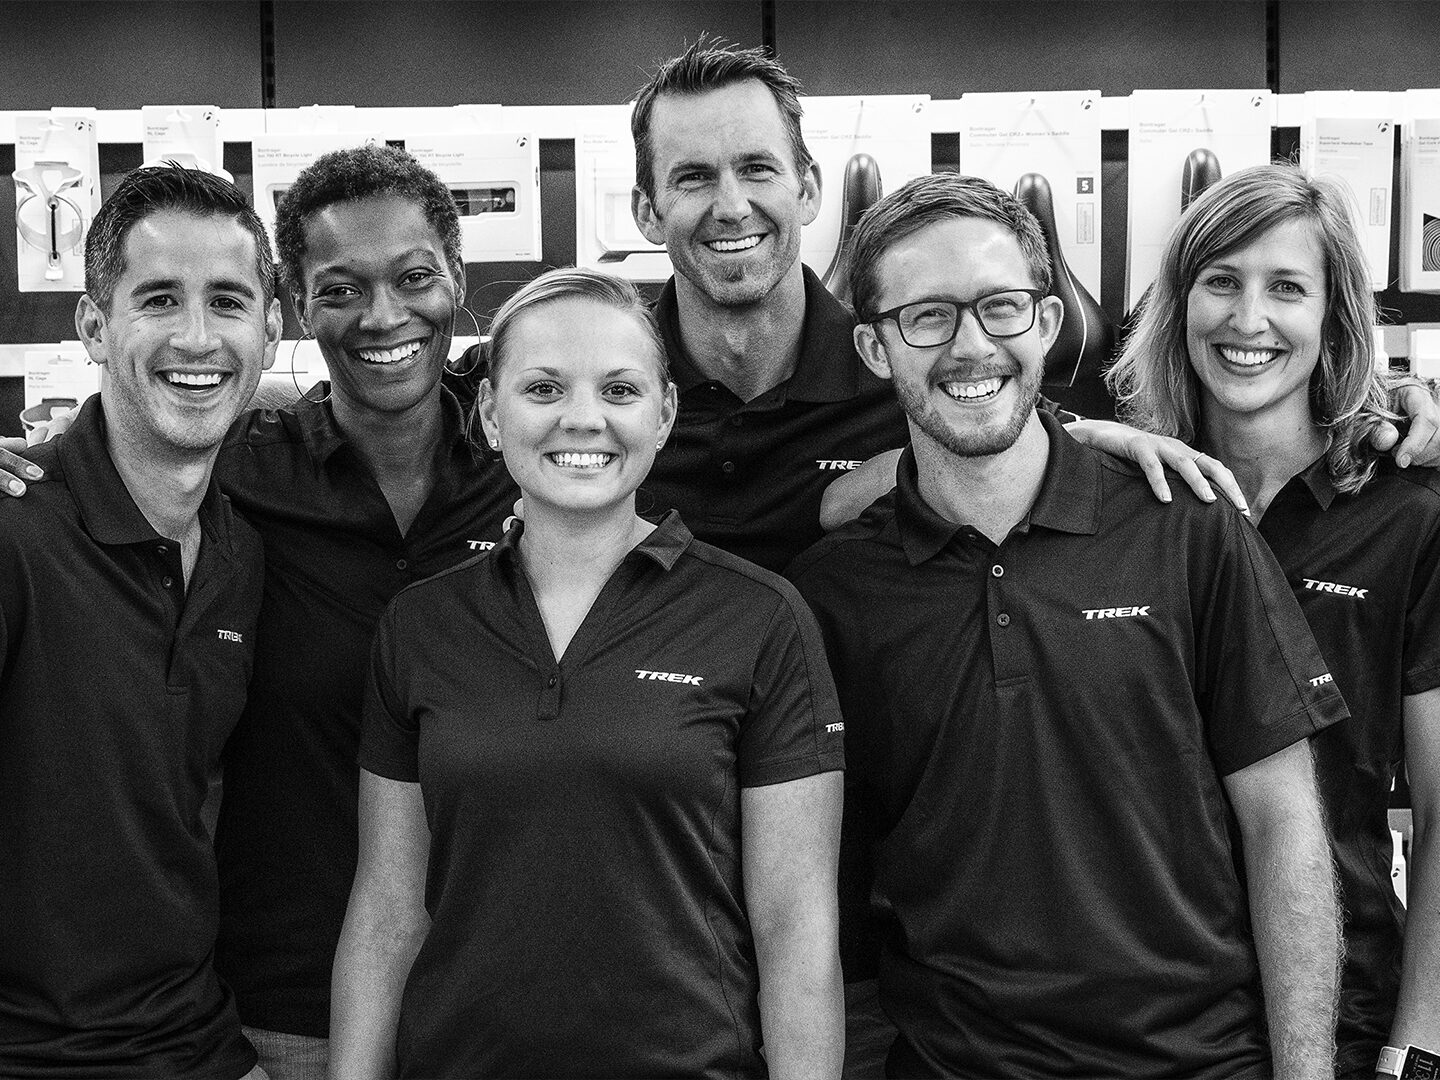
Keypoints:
pixel 281 55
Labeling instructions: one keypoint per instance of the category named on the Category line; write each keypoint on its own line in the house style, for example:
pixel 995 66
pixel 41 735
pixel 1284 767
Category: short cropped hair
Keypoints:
pixel 709 64
pixel 1156 385
pixel 362 172
pixel 925 201
pixel 567 283
pixel 156 189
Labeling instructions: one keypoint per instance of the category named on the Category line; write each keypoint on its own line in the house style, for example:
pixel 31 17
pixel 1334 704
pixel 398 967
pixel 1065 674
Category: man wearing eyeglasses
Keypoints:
pixel 1059 696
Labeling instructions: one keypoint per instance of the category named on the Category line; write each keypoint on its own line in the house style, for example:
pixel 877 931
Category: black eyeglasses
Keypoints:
pixel 926 324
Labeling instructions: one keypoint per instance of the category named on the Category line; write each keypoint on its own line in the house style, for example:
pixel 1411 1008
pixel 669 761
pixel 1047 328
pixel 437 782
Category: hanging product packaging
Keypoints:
pixel 188 135
pixel 495 178
pixel 1350 136
pixel 279 159
pixel 1420 192
pixel 1222 130
pixel 57 194
pixel 1055 134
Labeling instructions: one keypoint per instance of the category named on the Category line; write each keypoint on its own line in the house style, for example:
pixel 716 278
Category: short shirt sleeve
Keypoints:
pixel 389 737
pixel 1261 680
pixel 1420 664
pixel 793 727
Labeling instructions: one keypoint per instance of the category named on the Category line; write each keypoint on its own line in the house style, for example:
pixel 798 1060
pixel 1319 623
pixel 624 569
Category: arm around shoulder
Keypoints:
pixel 385 924
pixel 1293 907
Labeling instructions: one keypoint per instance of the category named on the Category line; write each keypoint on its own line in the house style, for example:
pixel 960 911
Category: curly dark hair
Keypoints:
pixel 361 172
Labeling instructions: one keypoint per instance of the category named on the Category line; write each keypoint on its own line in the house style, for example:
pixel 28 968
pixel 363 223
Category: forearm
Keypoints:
pixel 376 951
pixel 1297 938
pixel 802 1012
pixel 1417 1016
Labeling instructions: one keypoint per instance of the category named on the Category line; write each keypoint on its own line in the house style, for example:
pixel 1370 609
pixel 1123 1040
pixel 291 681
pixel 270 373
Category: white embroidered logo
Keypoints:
pixel 480 545
pixel 229 635
pixel 1115 612
pixel 668 676
pixel 834 727
pixel 1312 585
pixel 837 464
pixel 1321 680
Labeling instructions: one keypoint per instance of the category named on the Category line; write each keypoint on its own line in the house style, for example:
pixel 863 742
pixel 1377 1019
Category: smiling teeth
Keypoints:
pixel 185 378
pixel 972 391
pixel 570 460
pixel 744 244
pixel 1247 357
pixel 389 356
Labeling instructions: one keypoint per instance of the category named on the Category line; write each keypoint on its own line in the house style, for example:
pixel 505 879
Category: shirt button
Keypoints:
pixel 997 570
pixel 554 681
pixel 161 549
pixel 728 468
pixel 736 421
pixel 167 581
pixel 401 564
pixel 1003 619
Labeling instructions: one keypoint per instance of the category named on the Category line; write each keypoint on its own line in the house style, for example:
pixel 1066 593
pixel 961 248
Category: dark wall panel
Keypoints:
pixel 569 52
pixel 949 48
pixel 1358 44
pixel 127 53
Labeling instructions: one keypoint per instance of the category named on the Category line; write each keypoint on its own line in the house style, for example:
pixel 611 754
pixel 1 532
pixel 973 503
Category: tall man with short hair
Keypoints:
pixel 1058 697
pixel 128 600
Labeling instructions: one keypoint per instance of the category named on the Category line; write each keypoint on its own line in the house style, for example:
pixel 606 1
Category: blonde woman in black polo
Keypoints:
pixel 1256 347
pixel 576 747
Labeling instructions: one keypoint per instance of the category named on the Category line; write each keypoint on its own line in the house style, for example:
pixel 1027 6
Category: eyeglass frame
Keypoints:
pixel 1036 295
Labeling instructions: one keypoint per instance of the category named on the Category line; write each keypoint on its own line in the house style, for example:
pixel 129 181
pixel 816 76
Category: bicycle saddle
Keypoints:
pixel 862 189
pixel 1087 335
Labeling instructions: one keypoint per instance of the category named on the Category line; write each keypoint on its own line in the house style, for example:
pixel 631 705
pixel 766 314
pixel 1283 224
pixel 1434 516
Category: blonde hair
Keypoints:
pixel 566 283
pixel 1153 380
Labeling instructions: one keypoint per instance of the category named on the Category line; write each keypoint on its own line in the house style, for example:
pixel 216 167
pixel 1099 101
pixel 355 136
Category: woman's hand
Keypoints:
pixel 1154 453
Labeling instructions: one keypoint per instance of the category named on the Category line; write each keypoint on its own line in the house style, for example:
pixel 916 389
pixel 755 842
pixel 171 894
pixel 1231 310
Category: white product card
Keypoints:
pixel 1056 134
pixel 893 130
pixel 60 374
pixel 1350 137
pixel 1166 126
pixel 495 179
pixel 186 134
pixel 57 195
pixel 606 236
pixel 1425 350
pixel 278 159
pixel 1420 192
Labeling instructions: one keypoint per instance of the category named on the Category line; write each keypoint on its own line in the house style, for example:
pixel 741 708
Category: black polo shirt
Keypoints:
pixel 1036 736
pixel 1366 570
pixel 118 687
pixel 587 910
pixel 287 837
pixel 748 476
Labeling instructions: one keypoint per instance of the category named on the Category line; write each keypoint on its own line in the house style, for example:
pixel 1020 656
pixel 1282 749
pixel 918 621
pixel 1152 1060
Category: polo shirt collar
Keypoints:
pixel 322 435
pixel 1069 499
pixel 827 367
pixel 1316 478
pixel 104 502
pixel 664 546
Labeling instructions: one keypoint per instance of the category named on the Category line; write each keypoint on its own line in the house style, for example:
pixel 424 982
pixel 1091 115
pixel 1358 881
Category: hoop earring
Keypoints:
pixel 304 395
pixel 478 358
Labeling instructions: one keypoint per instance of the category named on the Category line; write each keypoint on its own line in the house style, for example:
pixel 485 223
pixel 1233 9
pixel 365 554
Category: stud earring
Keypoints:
pixel 494 444
pixel 659 444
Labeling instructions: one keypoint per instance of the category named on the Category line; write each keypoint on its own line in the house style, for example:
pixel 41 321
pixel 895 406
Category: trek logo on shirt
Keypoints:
pixel 668 676
pixel 230 635
pixel 480 545
pixel 1321 680
pixel 1331 587
pixel 836 465
pixel 1115 612
pixel 830 729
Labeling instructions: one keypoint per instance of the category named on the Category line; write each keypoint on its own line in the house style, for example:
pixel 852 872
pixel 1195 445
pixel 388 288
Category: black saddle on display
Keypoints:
pixel 1087 336
pixel 861 191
